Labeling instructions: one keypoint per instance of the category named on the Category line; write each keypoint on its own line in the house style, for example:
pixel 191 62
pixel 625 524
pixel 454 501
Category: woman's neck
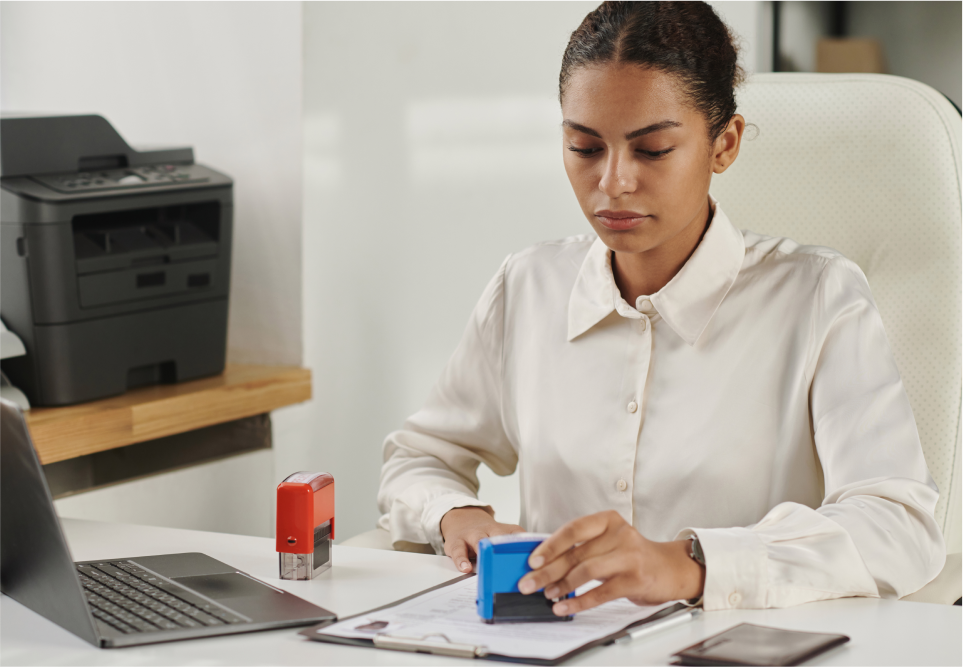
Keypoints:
pixel 645 273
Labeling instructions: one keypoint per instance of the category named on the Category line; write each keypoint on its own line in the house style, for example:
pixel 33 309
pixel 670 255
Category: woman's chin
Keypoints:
pixel 628 241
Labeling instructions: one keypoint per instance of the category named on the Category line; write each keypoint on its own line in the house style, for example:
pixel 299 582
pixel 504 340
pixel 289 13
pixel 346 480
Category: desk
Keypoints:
pixel 883 632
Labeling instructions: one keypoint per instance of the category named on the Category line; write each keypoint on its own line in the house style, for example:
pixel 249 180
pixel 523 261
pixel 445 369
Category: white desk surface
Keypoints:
pixel 882 632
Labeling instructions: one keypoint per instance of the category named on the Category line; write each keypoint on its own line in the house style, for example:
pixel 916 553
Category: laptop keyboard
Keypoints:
pixel 131 599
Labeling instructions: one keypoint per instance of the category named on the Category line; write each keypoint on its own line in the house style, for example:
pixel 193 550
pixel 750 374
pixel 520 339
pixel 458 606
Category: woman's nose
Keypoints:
pixel 619 177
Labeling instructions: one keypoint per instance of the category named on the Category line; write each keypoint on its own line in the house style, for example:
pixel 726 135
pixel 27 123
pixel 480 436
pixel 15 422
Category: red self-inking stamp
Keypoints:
pixel 305 524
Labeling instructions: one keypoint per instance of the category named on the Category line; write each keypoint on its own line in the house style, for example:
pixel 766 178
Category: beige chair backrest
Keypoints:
pixel 870 165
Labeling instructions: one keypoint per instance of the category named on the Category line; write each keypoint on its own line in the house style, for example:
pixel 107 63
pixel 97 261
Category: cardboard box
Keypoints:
pixel 850 54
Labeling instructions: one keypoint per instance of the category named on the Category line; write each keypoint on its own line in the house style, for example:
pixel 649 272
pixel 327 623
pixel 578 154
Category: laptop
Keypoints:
pixel 120 601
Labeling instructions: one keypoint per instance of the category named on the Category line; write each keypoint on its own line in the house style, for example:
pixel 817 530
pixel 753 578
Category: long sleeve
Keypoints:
pixel 874 533
pixel 430 464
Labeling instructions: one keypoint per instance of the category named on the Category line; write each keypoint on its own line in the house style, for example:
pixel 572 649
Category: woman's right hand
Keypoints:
pixel 463 527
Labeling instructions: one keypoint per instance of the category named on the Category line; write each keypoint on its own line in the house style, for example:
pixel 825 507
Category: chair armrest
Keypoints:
pixel 381 539
pixel 372 539
pixel 946 588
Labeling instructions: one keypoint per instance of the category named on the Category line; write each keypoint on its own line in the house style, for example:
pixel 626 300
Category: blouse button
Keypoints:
pixel 645 304
pixel 734 599
pixel 632 407
pixel 621 485
pixel 643 324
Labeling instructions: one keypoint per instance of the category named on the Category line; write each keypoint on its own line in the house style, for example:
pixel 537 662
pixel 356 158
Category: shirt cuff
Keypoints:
pixel 436 509
pixel 736 568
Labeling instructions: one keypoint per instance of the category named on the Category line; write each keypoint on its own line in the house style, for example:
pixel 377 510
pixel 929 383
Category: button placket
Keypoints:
pixel 637 370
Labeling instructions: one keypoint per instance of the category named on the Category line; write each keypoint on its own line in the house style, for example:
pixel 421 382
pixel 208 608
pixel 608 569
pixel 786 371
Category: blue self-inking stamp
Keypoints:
pixel 502 561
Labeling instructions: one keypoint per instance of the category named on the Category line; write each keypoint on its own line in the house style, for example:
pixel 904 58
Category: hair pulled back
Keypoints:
pixel 685 39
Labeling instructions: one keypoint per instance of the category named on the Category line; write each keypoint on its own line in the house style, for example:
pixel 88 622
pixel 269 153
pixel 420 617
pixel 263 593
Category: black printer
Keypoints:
pixel 114 262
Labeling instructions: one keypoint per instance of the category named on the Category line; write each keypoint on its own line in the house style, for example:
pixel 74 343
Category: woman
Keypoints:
pixel 696 412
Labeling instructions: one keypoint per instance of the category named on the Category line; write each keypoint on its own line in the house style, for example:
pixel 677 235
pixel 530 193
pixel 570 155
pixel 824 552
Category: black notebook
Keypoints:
pixel 747 644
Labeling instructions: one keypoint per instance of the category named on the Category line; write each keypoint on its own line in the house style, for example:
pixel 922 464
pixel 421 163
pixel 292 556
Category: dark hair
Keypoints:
pixel 685 39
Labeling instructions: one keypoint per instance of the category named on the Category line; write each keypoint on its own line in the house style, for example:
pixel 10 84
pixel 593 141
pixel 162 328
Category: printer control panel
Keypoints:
pixel 124 179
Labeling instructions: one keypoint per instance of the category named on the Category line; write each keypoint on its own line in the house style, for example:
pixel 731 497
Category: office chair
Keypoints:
pixel 869 164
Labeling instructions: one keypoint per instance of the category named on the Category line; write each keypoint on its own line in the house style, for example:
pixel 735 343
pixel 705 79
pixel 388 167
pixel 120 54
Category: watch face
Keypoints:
pixel 696 552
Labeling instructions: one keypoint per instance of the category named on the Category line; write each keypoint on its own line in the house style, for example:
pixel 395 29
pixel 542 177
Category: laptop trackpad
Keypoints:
pixel 222 586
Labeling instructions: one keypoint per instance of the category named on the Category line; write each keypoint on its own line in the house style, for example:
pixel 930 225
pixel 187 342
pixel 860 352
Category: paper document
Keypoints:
pixel 450 611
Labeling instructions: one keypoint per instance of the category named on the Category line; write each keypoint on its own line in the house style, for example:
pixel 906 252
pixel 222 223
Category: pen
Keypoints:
pixel 658 626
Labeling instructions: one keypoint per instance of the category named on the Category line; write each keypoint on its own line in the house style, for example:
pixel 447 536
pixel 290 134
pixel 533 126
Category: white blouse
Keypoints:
pixel 753 401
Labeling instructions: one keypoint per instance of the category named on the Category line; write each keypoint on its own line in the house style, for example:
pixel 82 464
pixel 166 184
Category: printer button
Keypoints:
pixel 130 179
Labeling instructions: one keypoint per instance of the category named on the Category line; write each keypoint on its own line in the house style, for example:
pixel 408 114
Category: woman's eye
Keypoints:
pixel 655 155
pixel 584 152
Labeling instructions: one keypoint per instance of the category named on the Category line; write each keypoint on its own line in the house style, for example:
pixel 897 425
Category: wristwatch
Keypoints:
pixel 695 550
pixel 695 553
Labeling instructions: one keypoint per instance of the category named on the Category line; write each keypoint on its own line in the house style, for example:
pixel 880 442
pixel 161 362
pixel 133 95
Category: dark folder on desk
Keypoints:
pixel 748 644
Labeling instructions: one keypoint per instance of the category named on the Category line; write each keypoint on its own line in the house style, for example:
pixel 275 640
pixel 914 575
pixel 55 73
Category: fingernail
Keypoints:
pixel 552 592
pixel 561 609
pixel 526 586
pixel 465 566
pixel 536 562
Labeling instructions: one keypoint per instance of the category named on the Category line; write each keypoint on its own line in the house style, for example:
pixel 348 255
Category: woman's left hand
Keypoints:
pixel 604 546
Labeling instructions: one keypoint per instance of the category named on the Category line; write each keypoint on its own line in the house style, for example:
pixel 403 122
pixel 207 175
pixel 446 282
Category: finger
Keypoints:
pixel 605 593
pixel 603 567
pixel 549 575
pixel 459 555
pixel 572 533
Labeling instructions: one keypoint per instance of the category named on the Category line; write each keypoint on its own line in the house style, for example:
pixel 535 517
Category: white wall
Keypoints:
pixel 224 78
pixel 234 495
pixel 751 21
pixel 802 24
pixel 432 150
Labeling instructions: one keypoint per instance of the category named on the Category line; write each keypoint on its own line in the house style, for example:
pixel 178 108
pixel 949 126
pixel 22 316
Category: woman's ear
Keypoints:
pixel 726 146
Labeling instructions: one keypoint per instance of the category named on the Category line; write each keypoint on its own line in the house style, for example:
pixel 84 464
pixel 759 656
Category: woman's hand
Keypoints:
pixel 604 547
pixel 461 529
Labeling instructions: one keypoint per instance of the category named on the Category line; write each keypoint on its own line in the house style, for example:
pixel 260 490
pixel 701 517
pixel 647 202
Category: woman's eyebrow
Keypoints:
pixel 654 127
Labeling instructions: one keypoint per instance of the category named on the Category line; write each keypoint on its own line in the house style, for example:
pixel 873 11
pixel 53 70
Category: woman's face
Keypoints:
pixel 639 158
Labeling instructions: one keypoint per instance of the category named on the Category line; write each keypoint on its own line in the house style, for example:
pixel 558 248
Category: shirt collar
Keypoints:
pixel 686 303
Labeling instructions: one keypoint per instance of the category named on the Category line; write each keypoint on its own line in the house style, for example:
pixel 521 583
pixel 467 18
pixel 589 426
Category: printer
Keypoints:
pixel 114 262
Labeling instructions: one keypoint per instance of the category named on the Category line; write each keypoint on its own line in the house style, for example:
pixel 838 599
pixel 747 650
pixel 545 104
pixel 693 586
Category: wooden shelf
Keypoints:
pixel 241 391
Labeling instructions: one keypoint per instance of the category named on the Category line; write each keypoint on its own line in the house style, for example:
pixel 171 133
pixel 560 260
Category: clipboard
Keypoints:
pixel 438 644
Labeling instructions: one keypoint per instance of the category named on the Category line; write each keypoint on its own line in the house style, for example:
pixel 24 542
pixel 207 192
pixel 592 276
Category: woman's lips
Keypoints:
pixel 620 220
